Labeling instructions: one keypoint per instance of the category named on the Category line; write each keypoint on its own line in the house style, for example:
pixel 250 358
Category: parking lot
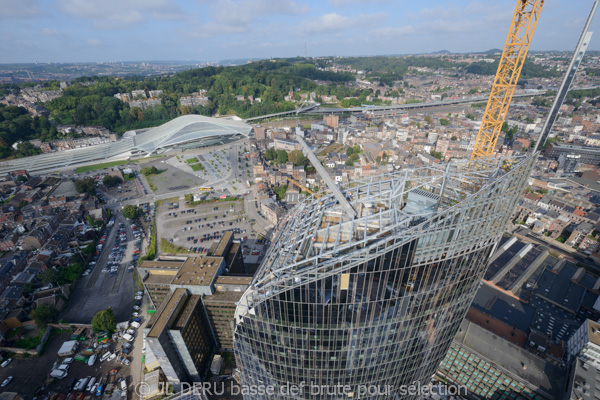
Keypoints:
pixel 29 373
pixel 199 226
pixel 125 191
pixel 99 290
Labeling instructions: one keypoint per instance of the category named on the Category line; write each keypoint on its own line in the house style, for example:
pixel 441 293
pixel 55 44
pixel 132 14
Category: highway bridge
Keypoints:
pixel 293 112
pixel 313 109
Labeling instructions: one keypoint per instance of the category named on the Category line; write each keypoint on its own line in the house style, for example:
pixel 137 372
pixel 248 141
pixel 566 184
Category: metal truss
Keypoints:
pixel 315 239
pixel 515 50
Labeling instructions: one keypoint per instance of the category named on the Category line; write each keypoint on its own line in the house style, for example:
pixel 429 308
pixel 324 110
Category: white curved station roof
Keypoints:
pixel 181 131
pixel 187 129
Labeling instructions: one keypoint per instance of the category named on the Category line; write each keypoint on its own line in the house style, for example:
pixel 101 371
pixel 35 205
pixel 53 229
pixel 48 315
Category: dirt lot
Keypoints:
pixel 171 179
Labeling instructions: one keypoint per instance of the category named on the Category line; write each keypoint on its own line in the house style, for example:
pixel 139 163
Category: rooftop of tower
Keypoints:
pixel 318 229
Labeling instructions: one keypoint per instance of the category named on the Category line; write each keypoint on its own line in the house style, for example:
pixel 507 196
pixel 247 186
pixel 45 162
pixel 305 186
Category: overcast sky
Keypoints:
pixel 211 30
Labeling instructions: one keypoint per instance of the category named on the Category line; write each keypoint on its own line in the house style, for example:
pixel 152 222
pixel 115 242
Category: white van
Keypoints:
pixel 80 385
pixel 135 324
pixel 124 384
pixel 58 373
pixel 64 367
pixel 105 356
pixel 92 359
pixel 90 384
pixel 128 337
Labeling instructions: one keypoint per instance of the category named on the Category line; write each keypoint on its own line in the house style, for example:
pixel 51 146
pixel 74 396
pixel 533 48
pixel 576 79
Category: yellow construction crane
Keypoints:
pixel 515 50
pixel 300 186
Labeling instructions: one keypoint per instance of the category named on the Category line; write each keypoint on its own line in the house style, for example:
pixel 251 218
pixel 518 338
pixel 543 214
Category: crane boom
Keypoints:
pixel 301 186
pixel 515 50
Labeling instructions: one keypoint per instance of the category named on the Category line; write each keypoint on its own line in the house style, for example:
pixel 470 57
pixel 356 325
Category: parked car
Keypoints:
pixel 6 362
pixel 6 381
pixel 92 359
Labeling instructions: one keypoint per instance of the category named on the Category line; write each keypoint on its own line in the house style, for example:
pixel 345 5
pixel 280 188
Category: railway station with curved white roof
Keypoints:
pixel 185 132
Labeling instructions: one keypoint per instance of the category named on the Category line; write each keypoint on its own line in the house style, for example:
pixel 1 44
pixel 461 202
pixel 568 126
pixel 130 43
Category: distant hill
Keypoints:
pixel 441 52
pixel 491 51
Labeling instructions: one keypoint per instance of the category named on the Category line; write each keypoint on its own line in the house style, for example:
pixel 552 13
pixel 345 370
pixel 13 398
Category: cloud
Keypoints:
pixel 240 16
pixel 451 19
pixel 392 32
pixel 243 12
pixel 333 22
pixel 345 3
pixel 94 42
pixel 120 13
pixel 50 32
pixel 19 9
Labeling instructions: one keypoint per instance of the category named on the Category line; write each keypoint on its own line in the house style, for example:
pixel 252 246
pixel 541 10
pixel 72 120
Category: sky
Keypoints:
pixel 213 30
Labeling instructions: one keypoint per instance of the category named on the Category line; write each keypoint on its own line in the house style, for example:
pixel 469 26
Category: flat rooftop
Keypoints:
pixel 200 271
pixel 184 316
pixel 593 327
pixel 219 251
pixel 559 288
pixel 513 359
pixel 165 277
pixel 229 297
pixel 233 280
pixel 176 264
pixel 503 307
pixel 169 311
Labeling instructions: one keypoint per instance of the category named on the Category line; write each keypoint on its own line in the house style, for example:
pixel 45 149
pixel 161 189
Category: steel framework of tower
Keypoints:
pixel 372 303
pixel 509 69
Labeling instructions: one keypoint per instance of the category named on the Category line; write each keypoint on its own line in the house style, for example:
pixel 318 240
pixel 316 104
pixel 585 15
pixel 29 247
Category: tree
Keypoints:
pixel 280 191
pixel 130 211
pixel 454 138
pixel 86 185
pixel 282 156
pixel 110 180
pixel 436 154
pixel 428 119
pixel 149 171
pixel 104 321
pixel 270 154
pixel 297 157
pixel 444 122
pixel 43 315
pixel 49 275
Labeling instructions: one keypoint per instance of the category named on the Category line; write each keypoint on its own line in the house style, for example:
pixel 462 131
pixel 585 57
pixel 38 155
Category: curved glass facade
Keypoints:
pixel 361 308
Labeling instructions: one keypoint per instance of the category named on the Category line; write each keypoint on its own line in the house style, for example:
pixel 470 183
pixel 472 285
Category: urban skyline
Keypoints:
pixel 79 31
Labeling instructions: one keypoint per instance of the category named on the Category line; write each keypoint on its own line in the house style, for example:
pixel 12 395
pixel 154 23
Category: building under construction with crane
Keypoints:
pixel 365 288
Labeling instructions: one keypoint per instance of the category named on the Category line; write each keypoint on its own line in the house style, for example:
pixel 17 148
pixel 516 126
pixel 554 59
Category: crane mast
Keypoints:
pixel 515 50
